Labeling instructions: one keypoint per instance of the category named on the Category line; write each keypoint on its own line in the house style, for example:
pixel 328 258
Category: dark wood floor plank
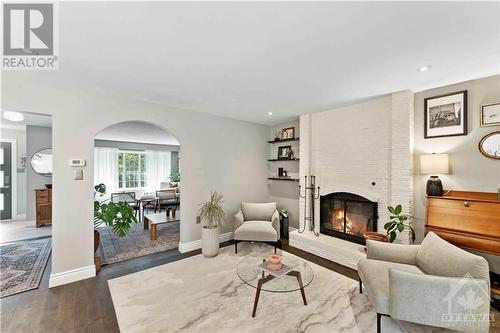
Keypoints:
pixel 86 306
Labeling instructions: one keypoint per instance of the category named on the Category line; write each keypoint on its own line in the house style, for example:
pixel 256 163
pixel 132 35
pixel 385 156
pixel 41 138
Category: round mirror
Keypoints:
pixel 490 145
pixel 41 162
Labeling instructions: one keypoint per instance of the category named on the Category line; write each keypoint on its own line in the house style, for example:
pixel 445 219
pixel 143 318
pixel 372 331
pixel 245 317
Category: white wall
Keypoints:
pixel 365 148
pixel 217 154
pixel 285 193
pixel 37 138
pixel 470 171
pixel 20 136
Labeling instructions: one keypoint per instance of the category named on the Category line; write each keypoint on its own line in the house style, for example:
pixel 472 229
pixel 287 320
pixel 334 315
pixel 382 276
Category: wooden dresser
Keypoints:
pixel 43 207
pixel 467 219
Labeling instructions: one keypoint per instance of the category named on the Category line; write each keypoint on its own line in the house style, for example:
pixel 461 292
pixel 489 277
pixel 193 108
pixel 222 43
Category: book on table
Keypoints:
pixel 276 273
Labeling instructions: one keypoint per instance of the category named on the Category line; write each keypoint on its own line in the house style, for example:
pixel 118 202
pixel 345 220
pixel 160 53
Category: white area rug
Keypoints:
pixel 206 295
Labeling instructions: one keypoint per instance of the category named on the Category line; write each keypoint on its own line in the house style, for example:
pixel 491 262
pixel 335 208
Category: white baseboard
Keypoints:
pixel 74 275
pixel 194 245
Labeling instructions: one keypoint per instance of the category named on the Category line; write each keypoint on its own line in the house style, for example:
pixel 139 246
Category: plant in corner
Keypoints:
pixel 398 222
pixel 213 217
pixel 175 176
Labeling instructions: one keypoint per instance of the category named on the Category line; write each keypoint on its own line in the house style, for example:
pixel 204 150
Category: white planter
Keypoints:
pixel 210 242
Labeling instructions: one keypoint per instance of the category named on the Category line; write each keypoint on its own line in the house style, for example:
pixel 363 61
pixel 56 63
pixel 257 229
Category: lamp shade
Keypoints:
pixel 434 164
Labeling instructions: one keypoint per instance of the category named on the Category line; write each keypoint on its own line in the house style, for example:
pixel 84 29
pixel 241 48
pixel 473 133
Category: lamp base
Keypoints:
pixel 434 186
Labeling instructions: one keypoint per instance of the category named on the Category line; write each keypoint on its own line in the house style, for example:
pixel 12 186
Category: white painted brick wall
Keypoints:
pixel 351 147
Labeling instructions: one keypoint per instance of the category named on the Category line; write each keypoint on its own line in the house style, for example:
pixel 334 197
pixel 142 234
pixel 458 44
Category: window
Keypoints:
pixel 131 169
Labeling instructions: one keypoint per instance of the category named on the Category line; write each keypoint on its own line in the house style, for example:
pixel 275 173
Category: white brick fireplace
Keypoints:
pixel 365 149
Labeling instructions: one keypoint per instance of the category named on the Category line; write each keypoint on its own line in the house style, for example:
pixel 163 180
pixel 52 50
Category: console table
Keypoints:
pixel 43 207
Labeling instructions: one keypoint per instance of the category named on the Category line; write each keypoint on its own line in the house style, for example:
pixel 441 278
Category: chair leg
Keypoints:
pixel 236 247
pixel 360 286
pixel 379 317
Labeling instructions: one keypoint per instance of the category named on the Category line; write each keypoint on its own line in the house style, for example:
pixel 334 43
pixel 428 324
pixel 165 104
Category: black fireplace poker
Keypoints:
pixel 313 195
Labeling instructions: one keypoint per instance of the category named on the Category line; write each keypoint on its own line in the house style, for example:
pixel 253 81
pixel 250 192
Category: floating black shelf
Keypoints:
pixel 283 159
pixel 283 140
pixel 287 179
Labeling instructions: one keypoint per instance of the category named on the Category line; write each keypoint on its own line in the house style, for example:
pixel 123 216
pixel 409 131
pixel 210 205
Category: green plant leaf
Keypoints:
pixel 392 237
pixel 387 225
pixel 398 209
pixel 391 209
pixel 401 227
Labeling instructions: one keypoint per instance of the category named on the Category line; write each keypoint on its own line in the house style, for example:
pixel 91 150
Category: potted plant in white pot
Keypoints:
pixel 213 217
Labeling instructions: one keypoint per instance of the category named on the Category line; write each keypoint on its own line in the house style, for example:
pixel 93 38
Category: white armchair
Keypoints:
pixel 257 222
pixel 427 284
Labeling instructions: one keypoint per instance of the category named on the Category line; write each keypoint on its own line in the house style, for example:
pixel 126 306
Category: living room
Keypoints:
pixel 294 125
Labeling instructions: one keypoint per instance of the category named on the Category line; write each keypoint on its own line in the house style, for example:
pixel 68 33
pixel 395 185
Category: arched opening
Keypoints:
pixel 137 191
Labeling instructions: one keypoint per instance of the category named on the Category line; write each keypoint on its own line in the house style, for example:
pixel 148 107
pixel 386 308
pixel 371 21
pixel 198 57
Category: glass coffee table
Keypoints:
pixel 297 279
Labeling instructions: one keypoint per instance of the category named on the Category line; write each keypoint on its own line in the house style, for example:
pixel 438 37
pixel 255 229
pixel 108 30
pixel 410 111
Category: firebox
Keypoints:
pixel 347 216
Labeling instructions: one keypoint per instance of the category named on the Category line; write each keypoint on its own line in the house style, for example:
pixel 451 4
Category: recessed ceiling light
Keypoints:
pixel 424 68
pixel 269 114
pixel 13 116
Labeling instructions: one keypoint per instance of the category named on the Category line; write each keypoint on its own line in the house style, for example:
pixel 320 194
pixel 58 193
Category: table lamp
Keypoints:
pixel 432 165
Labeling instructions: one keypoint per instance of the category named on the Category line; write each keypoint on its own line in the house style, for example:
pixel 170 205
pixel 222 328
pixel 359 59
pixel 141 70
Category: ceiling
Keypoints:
pixel 140 132
pixel 29 119
pixel 245 59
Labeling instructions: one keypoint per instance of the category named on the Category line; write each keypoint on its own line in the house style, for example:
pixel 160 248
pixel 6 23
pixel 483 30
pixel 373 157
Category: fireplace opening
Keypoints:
pixel 347 216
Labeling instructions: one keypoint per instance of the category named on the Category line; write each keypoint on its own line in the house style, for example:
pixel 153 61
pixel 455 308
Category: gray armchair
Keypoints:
pixel 435 283
pixel 257 222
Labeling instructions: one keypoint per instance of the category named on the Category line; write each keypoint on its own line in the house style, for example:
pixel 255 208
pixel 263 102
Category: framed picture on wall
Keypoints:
pixel 288 133
pixel 283 152
pixel 445 115
pixel 490 114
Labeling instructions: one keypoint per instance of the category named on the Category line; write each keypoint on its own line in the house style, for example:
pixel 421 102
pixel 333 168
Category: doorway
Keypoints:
pixel 139 165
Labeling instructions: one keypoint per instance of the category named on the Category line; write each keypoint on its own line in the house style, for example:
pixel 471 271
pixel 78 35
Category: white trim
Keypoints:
pixel 73 275
pixel 194 245
pixel 13 158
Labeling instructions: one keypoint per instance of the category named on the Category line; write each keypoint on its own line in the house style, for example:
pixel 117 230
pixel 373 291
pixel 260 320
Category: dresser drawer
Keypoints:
pixel 43 196
pixel 466 216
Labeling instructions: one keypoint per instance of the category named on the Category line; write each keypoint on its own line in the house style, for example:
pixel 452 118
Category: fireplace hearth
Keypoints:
pixel 347 216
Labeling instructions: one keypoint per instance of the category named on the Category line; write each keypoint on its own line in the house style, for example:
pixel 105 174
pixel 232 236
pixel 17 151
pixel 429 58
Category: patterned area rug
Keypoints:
pixel 206 295
pixel 137 242
pixel 22 265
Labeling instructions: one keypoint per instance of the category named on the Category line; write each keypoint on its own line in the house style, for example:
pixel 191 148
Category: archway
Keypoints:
pixel 139 165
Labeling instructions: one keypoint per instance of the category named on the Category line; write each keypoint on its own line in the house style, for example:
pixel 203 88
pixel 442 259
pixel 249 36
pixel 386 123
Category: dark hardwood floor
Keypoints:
pixel 86 306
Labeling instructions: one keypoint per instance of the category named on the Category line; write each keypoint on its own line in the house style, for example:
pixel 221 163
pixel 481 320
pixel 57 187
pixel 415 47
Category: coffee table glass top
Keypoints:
pixel 249 272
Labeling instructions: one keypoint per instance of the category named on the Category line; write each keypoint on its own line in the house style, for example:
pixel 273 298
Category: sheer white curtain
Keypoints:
pixel 157 168
pixel 105 168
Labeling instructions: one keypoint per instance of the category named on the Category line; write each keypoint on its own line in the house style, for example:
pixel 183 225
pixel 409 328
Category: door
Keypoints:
pixel 5 180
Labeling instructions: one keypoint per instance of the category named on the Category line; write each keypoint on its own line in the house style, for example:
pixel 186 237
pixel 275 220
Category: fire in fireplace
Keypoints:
pixel 347 216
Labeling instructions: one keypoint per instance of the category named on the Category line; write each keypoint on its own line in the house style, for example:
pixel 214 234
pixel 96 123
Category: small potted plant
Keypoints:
pixel 398 223
pixel 213 217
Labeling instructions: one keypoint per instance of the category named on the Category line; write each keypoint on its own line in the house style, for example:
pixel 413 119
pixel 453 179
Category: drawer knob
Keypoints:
pixel 466 204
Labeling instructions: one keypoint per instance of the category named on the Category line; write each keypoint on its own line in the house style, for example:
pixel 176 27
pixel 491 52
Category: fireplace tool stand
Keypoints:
pixel 313 195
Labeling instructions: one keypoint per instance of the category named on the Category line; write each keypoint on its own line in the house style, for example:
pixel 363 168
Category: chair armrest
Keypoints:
pixel 238 220
pixel 437 300
pixel 404 254
pixel 275 220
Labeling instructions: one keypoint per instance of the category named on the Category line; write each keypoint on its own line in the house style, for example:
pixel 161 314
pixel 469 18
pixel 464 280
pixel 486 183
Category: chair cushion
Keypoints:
pixel 260 231
pixel 169 202
pixel 375 277
pixel 438 257
pixel 258 211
